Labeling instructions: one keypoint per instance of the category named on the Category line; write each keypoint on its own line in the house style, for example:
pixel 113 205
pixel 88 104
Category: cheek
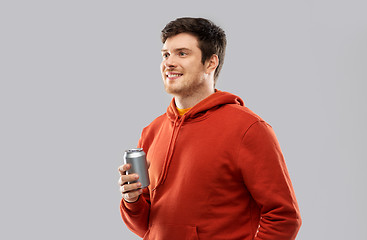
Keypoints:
pixel 162 67
pixel 195 67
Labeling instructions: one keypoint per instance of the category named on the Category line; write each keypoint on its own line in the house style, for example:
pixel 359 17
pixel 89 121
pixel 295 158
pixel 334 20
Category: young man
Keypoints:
pixel 216 168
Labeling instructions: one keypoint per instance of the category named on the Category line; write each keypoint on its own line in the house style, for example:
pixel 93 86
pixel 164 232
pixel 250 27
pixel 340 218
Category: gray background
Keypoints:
pixel 80 79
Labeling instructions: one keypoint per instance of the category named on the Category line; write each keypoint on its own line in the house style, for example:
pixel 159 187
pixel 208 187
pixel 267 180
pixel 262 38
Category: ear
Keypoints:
pixel 212 63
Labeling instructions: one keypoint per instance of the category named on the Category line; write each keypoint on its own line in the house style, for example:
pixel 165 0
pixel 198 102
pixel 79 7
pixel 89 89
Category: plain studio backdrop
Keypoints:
pixel 80 79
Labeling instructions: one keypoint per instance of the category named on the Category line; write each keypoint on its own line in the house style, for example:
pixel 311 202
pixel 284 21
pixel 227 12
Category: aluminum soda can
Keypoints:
pixel 137 160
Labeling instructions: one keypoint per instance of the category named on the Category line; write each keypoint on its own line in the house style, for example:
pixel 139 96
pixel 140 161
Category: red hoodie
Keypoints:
pixel 217 172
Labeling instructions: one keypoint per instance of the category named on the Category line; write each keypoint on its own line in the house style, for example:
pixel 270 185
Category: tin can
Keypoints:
pixel 137 160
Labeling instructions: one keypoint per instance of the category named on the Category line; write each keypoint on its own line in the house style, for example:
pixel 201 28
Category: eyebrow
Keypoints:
pixel 177 50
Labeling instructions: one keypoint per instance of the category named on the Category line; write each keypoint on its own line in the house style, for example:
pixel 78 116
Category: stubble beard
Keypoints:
pixel 184 89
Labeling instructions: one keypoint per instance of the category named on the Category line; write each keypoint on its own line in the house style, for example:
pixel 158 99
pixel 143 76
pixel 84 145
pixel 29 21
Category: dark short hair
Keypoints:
pixel 211 38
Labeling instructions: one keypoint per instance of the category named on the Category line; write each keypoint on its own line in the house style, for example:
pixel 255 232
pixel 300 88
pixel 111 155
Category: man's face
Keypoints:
pixel 182 70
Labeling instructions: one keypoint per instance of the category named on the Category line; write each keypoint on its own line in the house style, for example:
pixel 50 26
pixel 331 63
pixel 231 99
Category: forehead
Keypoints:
pixel 181 40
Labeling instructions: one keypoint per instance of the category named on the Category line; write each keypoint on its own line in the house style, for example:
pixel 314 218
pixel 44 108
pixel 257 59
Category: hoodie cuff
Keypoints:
pixel 133 207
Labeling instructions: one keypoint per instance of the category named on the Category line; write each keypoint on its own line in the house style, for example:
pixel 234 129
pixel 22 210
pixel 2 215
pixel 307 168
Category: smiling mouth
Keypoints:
pixel 173 75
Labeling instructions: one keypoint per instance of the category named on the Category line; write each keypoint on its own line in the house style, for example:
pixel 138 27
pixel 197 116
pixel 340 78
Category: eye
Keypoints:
pixel 182 54
pixel 165 55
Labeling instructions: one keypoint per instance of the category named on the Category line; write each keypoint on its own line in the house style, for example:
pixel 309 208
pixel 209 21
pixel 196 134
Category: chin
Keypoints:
pixel 172 90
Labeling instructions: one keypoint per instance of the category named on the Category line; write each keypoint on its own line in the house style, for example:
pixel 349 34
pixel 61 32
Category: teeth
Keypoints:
pixel 173 75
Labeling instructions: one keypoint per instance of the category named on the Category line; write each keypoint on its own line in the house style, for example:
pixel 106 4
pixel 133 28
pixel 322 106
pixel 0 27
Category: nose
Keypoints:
pixel 169 62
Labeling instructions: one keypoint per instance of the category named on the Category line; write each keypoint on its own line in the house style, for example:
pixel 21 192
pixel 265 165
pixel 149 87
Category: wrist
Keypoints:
pixel 132 200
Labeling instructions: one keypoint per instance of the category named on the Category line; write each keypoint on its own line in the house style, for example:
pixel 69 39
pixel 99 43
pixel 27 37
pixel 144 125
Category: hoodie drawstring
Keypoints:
pixel 170 150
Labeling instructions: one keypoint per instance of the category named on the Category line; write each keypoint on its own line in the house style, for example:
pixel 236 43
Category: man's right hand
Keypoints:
pixel 129 192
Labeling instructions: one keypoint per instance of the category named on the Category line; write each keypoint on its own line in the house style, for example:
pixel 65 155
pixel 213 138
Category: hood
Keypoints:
pixel 214 101
pixel 197 112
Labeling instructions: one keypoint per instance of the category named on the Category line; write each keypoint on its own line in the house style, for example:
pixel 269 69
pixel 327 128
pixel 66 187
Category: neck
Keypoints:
pixel 184 102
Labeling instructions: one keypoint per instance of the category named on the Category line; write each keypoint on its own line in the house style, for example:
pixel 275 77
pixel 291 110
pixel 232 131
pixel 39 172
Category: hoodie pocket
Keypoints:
pixel 170 232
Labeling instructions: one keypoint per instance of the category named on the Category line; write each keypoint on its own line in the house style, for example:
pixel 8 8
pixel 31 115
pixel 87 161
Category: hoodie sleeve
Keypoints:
pixel 266 177
pixel 136 214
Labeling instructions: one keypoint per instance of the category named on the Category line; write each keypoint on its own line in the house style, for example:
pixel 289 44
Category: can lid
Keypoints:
pixel 134 150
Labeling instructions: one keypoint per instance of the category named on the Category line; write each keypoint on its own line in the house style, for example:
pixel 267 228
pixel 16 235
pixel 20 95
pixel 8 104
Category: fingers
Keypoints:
pixel 130 187
pixel 124 179
pixel 123 168
pixel 132 196
pixel 130 192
